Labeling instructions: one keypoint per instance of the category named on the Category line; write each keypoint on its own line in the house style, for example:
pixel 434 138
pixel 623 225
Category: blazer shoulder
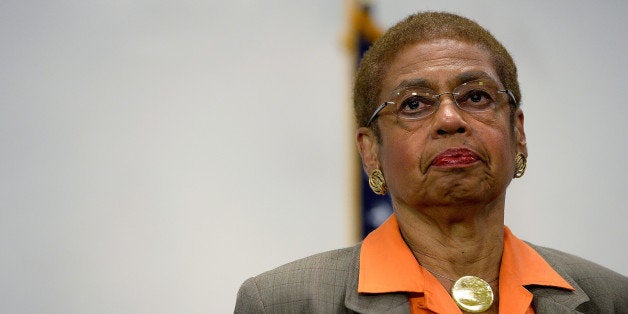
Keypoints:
pixel 313 284
pixel 577 267
pixel 330 260
pixel 607 290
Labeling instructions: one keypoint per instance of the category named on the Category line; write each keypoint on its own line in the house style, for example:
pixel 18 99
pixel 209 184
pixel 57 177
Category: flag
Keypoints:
pixel 373 209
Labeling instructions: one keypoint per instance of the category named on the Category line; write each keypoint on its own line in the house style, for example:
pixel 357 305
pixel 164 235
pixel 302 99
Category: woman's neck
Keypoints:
pixel 455 242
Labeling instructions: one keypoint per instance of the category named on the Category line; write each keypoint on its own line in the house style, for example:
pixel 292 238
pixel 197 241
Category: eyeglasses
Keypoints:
pixel 416 103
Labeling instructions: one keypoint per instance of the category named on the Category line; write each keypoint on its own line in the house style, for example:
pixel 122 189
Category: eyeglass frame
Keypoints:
pixel 437 97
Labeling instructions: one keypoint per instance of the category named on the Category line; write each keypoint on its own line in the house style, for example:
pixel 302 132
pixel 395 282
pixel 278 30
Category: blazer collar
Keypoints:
pixel 371 303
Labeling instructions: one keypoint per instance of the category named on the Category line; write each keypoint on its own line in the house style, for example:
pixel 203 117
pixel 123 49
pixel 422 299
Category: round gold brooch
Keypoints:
pixel 472 294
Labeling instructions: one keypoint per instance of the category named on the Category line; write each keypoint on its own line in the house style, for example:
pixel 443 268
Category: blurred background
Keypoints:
pixel 155 154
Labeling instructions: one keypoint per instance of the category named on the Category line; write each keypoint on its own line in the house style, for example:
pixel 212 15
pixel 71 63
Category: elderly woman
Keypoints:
pixel 441 132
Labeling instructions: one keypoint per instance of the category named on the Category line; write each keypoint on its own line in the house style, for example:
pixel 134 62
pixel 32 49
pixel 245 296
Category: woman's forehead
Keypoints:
pixel 438 63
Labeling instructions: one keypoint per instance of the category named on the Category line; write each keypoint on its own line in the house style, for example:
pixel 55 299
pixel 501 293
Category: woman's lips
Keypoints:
pixel 455 157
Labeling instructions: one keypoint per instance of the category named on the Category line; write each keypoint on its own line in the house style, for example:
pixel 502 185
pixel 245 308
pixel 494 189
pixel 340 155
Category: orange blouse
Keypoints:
pixel 387 265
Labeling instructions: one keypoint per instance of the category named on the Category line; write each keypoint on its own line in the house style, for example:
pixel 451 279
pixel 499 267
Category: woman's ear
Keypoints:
pixel 368 148
pixel 520 134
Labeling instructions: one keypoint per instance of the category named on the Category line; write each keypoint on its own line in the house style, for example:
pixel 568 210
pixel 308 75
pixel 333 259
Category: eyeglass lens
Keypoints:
pixel 418 102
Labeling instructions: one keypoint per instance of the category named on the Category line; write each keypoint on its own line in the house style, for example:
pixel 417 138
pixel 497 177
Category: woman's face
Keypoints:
pixel 452 156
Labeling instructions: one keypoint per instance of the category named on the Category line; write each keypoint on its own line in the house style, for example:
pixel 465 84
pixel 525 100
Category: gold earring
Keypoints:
pixel 520 165
pixel 377 182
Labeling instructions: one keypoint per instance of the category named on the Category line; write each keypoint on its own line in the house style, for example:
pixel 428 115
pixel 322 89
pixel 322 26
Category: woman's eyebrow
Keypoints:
pixel 413 83
pixel 472 76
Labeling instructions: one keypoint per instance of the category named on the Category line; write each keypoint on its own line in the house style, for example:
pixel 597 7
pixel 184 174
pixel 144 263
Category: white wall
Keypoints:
pixel 157 153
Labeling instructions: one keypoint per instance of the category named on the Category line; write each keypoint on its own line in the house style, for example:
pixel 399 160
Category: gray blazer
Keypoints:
pixel 328 283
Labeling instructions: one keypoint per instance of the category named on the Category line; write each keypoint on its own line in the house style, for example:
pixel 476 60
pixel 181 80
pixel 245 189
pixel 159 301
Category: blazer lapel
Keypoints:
pixel 557 300
pixel 554 300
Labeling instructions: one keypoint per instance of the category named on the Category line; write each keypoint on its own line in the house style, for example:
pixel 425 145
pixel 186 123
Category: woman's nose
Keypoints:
pixel 448 118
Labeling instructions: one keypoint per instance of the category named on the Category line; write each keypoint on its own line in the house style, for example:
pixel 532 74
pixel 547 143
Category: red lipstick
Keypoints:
pixel 455 157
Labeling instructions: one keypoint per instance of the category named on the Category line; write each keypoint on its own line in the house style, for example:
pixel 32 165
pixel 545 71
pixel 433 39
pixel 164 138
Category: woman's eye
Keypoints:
pixel 414 103
pixel 475 99
pixel 477 96
pixel 415 107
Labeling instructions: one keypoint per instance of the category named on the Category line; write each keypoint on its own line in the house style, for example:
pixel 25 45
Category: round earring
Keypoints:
pixel 377 182
pixel 520 165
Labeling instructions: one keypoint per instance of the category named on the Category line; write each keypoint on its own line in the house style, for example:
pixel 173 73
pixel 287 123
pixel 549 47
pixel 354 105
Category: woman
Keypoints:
pixel 440 131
